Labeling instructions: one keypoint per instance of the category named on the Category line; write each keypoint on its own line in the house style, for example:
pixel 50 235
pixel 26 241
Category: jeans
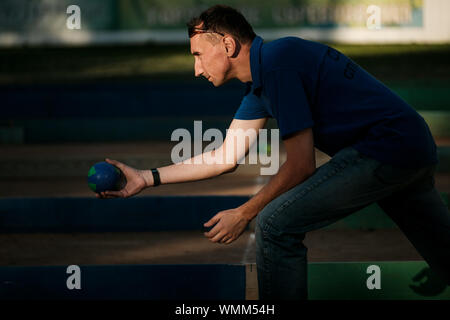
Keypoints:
pixel 347 183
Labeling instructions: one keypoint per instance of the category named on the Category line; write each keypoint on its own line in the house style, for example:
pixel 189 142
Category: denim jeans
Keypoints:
pixel 347 183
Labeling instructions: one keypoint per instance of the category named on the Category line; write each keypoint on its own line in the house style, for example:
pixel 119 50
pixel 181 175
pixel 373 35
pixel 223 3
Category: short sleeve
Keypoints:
pixel 251 108
pixel 287 96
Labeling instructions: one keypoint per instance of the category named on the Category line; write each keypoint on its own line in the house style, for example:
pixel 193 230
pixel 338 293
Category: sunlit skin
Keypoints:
pixel 220 58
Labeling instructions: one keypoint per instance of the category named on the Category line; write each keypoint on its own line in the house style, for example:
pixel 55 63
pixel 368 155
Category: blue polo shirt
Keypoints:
pixel 305 84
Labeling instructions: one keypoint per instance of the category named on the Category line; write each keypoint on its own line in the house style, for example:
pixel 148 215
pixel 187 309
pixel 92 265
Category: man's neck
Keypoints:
pixel 242 65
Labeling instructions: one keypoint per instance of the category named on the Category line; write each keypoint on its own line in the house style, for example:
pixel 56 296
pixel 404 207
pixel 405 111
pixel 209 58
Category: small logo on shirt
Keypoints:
pixel 350 70
pixel 333 54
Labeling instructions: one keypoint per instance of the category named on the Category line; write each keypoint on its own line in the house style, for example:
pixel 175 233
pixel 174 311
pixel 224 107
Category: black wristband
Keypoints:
pixel 156 179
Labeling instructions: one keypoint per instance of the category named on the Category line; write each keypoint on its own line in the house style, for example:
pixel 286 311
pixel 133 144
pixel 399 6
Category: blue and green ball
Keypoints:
pixel 103 176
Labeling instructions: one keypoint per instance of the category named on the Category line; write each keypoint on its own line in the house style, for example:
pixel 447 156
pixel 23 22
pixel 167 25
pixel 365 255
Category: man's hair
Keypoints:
pixel 222 19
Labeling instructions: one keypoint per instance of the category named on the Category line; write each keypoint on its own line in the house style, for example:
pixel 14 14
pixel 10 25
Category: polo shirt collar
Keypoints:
pixel 255 61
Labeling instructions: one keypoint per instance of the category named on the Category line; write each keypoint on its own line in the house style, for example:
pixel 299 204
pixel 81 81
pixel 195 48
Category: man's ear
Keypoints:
pixel 232 46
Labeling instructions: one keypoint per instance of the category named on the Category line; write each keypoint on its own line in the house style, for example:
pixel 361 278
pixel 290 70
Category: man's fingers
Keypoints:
pixel 111 194
pixel 115 194
pixel 225 238
pixel 104 195
pixel 211 233
pixel 213 220
pixel 116 163
pixel 218 237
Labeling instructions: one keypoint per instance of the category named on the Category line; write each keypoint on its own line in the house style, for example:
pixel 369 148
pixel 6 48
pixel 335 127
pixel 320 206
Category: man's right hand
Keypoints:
pixel 135 182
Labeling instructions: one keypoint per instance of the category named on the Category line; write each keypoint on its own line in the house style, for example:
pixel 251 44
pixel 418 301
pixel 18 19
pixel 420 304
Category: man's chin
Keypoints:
pixel 219 83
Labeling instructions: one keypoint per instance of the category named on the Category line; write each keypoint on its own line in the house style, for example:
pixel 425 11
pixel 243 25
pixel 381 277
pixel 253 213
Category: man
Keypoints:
pixel 382 150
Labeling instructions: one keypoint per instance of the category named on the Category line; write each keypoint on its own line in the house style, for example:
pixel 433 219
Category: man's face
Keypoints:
pixel 211 59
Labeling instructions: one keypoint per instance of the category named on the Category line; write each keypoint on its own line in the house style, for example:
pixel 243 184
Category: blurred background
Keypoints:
pixel 87 79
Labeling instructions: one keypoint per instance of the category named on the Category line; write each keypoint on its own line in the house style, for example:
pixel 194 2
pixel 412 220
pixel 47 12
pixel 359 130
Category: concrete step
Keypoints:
pixel 143 214
pixel 89 129
pixel 146 243
pixel 409 280
pixel 74 160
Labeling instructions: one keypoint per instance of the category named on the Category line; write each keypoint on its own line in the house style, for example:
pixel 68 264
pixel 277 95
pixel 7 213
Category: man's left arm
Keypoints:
pixel 299 165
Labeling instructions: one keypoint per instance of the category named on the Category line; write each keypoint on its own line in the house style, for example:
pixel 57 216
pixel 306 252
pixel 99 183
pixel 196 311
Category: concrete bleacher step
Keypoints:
pixel 124 252
pixel 95 112
pixel 145 213
pixel 410 280
pixel 375 280
pixel 74 160
pixel 56 161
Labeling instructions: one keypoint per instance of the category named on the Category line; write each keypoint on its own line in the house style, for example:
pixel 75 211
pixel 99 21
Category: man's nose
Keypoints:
pixel 198 69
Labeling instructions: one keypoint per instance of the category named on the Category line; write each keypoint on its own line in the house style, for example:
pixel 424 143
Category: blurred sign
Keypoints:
pixel 269 14
pixel 137 21
pixel 50 15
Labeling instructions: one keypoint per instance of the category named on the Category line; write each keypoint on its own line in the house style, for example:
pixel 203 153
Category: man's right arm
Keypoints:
pixel 199 167
pixel 202 166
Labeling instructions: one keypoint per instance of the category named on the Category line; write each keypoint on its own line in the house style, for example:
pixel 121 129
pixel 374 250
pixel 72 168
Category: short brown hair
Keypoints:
pixel 222 19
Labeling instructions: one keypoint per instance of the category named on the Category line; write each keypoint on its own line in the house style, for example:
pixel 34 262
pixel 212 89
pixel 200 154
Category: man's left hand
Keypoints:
pixel 229 225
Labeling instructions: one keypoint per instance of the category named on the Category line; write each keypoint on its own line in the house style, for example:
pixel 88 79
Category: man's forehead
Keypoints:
pixel 199 43
pixel 195 44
